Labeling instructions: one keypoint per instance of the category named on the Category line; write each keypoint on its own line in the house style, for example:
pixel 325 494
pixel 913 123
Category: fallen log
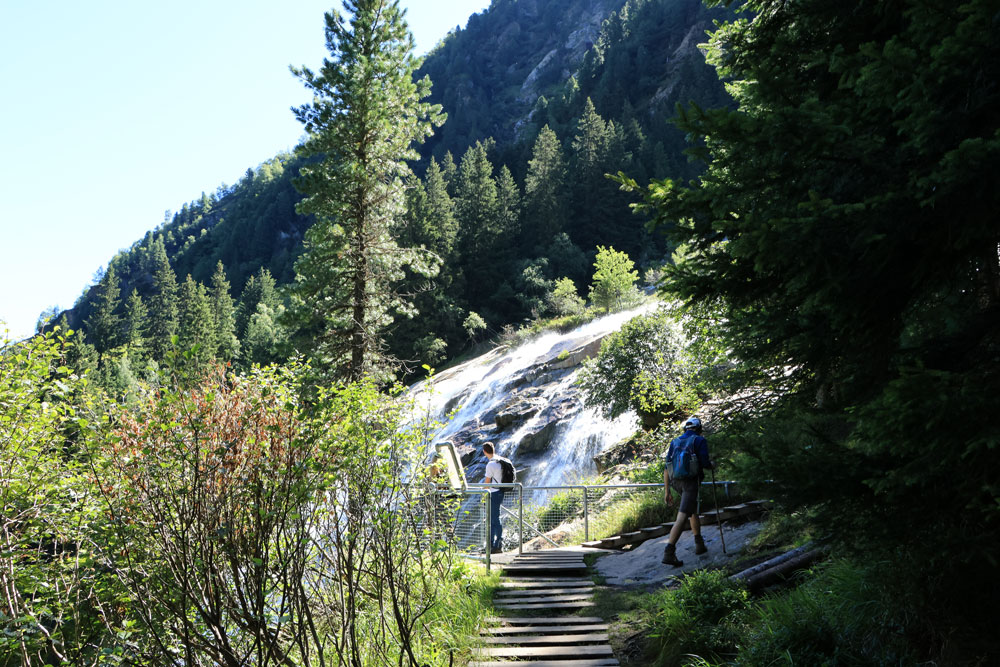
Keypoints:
pixel 772 575
pixel 771 562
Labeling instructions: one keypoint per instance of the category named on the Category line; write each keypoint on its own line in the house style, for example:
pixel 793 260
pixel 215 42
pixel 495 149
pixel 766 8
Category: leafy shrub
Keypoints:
pixel 692 619
pixel 842 616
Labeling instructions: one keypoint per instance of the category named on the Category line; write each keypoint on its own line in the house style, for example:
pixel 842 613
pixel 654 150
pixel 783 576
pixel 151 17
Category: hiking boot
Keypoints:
pixel 670 556
pixel 699 545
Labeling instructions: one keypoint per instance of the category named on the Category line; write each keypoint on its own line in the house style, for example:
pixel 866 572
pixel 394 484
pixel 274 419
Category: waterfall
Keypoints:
pixel 525 401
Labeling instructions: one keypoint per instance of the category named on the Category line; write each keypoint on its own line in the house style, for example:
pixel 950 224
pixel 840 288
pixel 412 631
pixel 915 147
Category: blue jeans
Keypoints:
pixel 496 528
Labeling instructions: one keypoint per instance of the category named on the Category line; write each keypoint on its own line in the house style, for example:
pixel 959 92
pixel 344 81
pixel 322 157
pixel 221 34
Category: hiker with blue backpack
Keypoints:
pixel 687 458
pixel 498 470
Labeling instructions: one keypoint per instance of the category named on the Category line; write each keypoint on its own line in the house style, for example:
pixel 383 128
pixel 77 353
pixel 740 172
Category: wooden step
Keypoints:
pixel 526 606
pixel 531 569
pixel 594 662
pixel 542 580
pixel 543 629
pixel 550 640
pixel 571 597
pixel 545 652
pixel 552 620
pixel 546 591
pixel 535 583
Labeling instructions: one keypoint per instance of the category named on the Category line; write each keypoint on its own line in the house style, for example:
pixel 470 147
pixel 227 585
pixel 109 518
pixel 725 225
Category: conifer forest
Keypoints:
pixel 202 461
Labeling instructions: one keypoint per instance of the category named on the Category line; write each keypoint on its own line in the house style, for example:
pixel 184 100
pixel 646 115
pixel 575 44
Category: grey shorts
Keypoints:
pixel 688 490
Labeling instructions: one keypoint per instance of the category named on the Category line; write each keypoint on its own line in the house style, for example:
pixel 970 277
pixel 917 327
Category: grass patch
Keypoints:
pixel 451 627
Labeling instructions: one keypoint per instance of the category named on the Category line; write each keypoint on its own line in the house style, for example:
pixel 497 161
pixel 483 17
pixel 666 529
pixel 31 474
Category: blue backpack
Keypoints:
pixel 684 464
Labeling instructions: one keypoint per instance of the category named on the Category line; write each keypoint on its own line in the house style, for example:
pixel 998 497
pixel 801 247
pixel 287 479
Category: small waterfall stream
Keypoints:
pixel 524 400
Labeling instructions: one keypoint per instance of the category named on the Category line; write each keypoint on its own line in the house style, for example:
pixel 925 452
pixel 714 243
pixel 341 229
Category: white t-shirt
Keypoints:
pixel 494 470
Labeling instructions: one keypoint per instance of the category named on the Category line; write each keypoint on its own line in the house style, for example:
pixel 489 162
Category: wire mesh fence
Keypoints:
pixel 554 516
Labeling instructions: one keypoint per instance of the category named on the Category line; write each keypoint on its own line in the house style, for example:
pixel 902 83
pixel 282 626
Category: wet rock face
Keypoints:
pixel 523 417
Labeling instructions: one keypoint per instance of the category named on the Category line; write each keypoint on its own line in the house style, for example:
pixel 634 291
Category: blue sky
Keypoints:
pixel 114 112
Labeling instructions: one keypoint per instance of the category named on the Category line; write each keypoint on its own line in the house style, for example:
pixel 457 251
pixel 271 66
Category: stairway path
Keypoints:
pixel 539 599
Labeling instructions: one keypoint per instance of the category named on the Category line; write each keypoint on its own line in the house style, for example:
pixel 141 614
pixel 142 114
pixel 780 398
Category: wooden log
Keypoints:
pixel 783 570
pixel 771 562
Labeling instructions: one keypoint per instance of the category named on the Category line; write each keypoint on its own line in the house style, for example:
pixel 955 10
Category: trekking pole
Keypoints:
pixel 715 497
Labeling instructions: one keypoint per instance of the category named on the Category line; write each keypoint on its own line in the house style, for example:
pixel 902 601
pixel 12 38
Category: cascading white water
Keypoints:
pixel 477 389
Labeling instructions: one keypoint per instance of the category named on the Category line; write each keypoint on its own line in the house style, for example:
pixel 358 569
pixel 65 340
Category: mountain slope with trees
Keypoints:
pixel 510 194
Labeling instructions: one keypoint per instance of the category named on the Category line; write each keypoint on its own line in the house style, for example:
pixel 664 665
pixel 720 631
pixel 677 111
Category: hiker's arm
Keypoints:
pixel 703 458
pixel 666 483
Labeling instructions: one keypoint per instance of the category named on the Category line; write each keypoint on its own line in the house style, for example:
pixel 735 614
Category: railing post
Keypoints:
pixel 489 529
pixel 586 516
pixel 520 518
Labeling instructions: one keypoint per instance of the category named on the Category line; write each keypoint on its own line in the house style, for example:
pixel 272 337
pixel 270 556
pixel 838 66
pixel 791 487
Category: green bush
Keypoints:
pixel 842 616
pixel 692 621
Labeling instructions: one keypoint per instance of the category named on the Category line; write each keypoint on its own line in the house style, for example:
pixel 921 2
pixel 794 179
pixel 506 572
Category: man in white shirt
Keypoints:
pixel 494 475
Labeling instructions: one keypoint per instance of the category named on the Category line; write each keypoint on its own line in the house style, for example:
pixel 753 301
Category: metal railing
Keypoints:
pixel 550 516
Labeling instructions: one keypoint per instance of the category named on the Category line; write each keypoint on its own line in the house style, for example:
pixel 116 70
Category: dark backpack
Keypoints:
pixel 508 475
pixel 684 464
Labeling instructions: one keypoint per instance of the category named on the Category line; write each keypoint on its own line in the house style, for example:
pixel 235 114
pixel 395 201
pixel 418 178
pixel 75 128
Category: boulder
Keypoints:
pixel 578 355
pixel 538 438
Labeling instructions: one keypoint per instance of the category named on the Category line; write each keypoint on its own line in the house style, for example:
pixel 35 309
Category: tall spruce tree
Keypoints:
pixel 162 302
pixel 365 117
pixel 260 288
pixel 104 326
pixel 223 315
pixel 195 325
pixel 544 190
pixel 136 326
pixel 477 210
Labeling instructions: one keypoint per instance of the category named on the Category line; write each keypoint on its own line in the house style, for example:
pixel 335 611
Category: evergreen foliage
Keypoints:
pixel 104 323
pixel 843 241
pixel 365 115
pixel 163 305
pixel 223 316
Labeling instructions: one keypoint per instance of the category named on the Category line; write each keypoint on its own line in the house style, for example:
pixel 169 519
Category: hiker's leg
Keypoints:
pixel 675 532
pixel 695 524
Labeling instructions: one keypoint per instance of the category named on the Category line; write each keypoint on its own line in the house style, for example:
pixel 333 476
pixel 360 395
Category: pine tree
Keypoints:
pixel 365 116
pixel 136 325
pixel 223 315
pixel 590 149
pixel 440 212
pixel 260 288
pixel 508 208
pixel 544 195
pixel 196 327
pixel 162 303
pixel 104 324
pixel 477 209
